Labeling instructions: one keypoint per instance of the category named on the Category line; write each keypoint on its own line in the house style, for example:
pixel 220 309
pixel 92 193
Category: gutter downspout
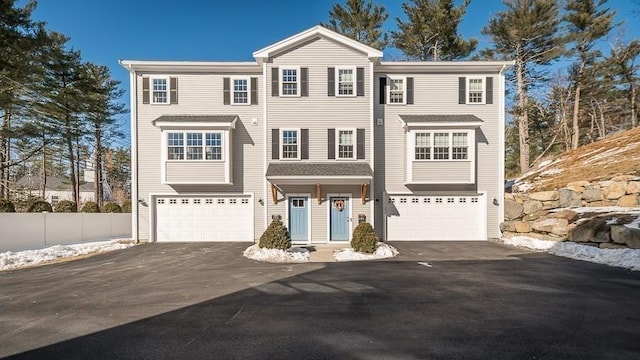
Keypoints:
pixel 501 156
pixel 265 196
pixel 135 235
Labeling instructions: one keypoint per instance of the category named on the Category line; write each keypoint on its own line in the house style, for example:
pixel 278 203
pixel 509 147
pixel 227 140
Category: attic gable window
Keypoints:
pixel 159 90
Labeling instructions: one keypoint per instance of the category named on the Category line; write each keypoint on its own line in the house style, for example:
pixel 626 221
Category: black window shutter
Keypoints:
pixel 304 81
pixel 275 77
pixel 304 144
pixel 360 142
pixel 462 90
pixel 409 90
pixel 331 143
pixel 383 90
pixel 331 81
pixel 226 91
pixel 489 95
pixel 145 90
pixel 173 89
pixel 254 91
pixel 360 81
pixel 275 144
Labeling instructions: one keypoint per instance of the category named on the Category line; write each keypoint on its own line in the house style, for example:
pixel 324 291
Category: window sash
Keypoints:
pixel 476 91
pixel 345 81
pixel 194 146
pixel 159 91
pixel 423 146
pixel 289 144
pixel 240 91
pixel 396 91
pixel 434 145
pixel 459 147
pixel 345 144
pixel 289 82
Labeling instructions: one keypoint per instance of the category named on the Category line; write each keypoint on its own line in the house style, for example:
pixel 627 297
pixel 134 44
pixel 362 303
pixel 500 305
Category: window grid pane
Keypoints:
pixel 289 82
pixel 194 146
pixel 423 146
pixel 213 146
pixel 290 144
pixel 441 146
pixel 459 146
pixel 240 91
pixel 396 92
pixel 475 90
pixel 345 144
pixel 175 146
pixel 345 81
pixel 159 87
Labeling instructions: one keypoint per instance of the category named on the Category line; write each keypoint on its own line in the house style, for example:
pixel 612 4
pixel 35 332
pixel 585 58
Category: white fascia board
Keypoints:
pixel 204 66
pixel 317 30
pixel 195 124
pixel 464 125
pixel 435 66
pixel 322 180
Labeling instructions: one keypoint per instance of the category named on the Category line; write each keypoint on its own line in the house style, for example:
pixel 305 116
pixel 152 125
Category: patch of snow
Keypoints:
pixel 382 251
pixel 601 209
pixel 293 255
pixel 523 187
pixel 544 163
pixel 612 221
pixel 13 260
pixel 625 258
pixel 635 224
pixel 551 172
pixel 611 152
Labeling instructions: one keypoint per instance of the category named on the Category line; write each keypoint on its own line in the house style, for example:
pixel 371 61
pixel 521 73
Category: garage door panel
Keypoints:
pixel 204 218
pixel 436 218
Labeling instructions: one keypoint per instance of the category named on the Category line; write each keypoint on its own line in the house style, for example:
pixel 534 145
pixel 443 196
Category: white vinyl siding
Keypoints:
pixel 188 172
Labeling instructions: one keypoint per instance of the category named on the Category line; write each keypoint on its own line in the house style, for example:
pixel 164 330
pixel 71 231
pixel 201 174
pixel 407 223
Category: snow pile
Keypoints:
pixel 625 258
pixel 382 251
pixel 293 255
pixel 13 260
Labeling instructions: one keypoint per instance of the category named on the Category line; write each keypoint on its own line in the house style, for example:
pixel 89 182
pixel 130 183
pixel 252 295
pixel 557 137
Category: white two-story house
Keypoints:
pixel 322 133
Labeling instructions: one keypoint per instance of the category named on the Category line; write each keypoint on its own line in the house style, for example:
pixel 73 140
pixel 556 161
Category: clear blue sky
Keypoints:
pixel 219 30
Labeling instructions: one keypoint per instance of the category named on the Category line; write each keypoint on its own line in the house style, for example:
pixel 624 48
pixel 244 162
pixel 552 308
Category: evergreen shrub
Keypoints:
pixel 276 236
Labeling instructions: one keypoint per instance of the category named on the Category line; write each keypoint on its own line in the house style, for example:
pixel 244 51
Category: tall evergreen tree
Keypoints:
pixel 623 64
pixel 526 32
pixel 361 21
pixel 431 31
pixel 587 22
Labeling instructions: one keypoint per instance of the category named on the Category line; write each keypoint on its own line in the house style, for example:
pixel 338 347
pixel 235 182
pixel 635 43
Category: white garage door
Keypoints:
pixel 436 217
pixel 204 218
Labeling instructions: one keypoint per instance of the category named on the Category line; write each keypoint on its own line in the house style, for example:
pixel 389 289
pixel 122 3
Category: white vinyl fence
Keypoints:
pixel 20 231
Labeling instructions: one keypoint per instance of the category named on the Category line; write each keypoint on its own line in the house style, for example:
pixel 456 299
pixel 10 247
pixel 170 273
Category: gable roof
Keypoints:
pixel 309 34
pixel 53 183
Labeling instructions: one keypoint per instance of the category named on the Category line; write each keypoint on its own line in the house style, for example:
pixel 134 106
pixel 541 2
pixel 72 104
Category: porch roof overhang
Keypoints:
pixel 196 121
pixel 440 121
pixel 319 173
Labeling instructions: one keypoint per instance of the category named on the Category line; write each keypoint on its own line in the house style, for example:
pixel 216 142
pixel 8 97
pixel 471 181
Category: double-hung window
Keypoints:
pixel 397 90
pixel 160 90
pixel 194 145
pixel 290 144
pixel 290 81
pixel 346 81
pixel 345 143
pixel 240 91
pixel 441 145
pixel 475 93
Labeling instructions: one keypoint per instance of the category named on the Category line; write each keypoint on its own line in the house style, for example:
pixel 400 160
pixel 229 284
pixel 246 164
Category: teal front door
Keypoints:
pixel 299 218
pixel 339 218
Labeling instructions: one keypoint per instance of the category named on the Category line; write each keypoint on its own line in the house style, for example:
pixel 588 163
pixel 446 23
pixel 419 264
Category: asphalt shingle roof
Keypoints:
pixel 319 169
pixel 197 118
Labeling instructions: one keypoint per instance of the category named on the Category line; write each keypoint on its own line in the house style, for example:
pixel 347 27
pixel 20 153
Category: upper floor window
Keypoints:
pixel 290 82
pixel 345 144
pixel 240 91
pixel 346 81
pixel 159 90
pixel 194 145
pixel 290 144
pixel 397 90
pixel 475 92
pixel 441 145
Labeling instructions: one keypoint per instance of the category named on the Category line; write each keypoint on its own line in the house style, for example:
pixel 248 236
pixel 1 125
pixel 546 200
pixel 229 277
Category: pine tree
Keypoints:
pixel 431 31
pixel 361 21
pixel 525 32
pixel 587 23
pixel 622 64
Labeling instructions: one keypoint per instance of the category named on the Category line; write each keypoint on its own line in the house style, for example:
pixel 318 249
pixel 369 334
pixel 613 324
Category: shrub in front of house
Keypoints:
pixel 364 238
pixel 90 207
pixel 276 236
pixel 6 206
pixel 111 207
pixel 66 206
pixel 40 206
pixel 126 206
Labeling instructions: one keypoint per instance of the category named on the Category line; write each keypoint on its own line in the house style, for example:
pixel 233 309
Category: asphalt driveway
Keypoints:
pixel 434 301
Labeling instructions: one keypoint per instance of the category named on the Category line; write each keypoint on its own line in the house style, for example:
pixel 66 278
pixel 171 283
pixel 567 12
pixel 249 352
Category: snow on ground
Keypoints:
pixel 293 255
pixel 625 258
pixel 382 251
pixel 600 209
pixel 13 260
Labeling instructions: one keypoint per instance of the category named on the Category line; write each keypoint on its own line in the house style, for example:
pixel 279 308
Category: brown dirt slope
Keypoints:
pixel 601 160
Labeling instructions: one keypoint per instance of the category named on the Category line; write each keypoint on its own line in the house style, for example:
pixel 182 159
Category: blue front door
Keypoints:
pixel 339 218
pixel 299 218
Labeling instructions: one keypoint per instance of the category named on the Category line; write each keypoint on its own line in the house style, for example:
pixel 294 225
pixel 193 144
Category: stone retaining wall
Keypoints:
pixel 536 214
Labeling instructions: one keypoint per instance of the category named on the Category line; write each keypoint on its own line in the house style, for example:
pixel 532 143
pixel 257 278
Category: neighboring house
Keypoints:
pixel 56 189
pixel 322 133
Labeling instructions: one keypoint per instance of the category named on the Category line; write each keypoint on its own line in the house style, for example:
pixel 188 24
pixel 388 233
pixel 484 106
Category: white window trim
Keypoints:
pixel 484 90
pixel 281 150
pixel 470 142
pixel 355 143
pixel 390 79
pixel 151 99
pixel 232 90
pixel 337 81
pixel 223 137
pixel 280 71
